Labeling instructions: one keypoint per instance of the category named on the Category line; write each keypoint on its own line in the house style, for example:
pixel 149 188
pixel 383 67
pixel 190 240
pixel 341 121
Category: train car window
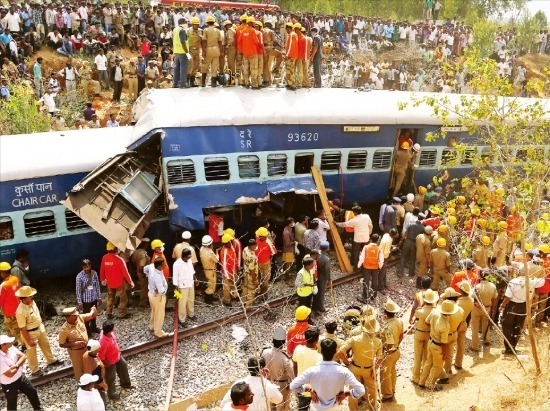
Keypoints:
pixel 39 223
pixel 216 169
pixel 276 165
pixel 181 171
pixel 330 160
pixel 449 156
pixel 6 228
pixel 381 159
pixel 140 191
pixel 303 163
pixel 357 160
pixel 534 154
pixel 427 158
pixel 468 155
pixel 74 222
pixel 486 155
pixel 249 166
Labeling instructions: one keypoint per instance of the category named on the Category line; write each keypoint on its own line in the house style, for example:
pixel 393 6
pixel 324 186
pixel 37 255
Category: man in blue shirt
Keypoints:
pixel 327 381
pixel 4 91
pixel 157 296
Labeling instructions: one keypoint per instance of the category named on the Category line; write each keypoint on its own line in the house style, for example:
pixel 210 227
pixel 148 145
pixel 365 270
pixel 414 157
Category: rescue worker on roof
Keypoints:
pixel 194 35
pixel 211 50
pixel 239 55
pixel 291 55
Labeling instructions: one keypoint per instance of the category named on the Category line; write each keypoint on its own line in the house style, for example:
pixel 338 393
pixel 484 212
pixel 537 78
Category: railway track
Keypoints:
pixel 195 330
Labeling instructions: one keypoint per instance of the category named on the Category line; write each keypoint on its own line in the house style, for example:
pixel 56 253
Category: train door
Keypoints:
pixel 402 179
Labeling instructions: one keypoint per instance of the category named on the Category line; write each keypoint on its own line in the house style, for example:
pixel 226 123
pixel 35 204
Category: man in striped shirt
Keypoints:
pixel 88 293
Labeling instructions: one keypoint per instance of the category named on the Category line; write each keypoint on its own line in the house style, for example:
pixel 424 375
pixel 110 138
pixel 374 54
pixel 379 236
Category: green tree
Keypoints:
pixel 540 20
pixel 484 37
pixel 21 115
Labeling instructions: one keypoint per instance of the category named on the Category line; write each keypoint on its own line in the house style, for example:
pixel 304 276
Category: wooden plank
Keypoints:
pixel 343 259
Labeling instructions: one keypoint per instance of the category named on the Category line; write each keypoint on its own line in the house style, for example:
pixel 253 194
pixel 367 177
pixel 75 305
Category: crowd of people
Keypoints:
pixel 185 46
pixel 424 230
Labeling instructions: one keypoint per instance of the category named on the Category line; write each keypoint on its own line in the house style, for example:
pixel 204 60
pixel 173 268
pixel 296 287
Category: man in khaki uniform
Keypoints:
pixel 185 236
pixel 422 333
pixel 466 302
pixel 270 52
pixel 443 232
pixel 139 260
pixel 488 295
pixel 230 44
pixel 117 22
pixel 194 36
pixel 423 251
pixel 439 335
pixel 74 337
pixel 392 334
pixel 440 264
pixel 455 320
pixel 152 73
pixel 279 364
pixel 402 163
pixel 211 50
pixel 258 26
pixel 482 253
pixel 33 332
pixel 366 357
pixel 500 246
pixel 251 269
pixel 209 260
pixel 132 73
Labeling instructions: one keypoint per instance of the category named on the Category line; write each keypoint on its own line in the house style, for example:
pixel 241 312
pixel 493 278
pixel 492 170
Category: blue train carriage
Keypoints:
pixel 36 173
pixel 235 149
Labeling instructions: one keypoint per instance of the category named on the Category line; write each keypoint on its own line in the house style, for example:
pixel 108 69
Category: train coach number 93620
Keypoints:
pixel 297 137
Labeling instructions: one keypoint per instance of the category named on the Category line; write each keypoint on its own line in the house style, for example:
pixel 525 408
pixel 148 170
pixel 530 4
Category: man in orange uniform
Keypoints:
pixel 515 224
pixel 307 58
pixel 158 252
pixel 291 56
pixel 8 301
pixel 301 53
pixel 295 334
pixel 239 55
pixel 469 274
pixel 228 261
pixel 249 41
pixel 113 273
pixel 264 252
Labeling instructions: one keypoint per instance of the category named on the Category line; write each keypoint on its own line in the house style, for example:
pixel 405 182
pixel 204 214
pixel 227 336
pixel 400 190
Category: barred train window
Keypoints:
pixel 357 159
pixel 468 156
pixel 381 159
pixel 427 158
pixel 74 222
pixel 449 156
pixel 6 228
pixel 249 166
pixel 330 160
pixel 216 169
pixel 276 165
pixel 39 223
pixel 181 171
pixel 303 163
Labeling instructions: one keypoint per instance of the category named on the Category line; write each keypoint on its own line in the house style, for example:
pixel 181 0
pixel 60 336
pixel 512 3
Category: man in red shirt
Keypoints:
pixel 215 229
pixel 301 53
pixel 250 44
pixel 239 55
pixel 8 300
pixel 295 334
pixel 113 273
pixel 114 362
pixel 291 55
pixel 228 261
pixel 264 252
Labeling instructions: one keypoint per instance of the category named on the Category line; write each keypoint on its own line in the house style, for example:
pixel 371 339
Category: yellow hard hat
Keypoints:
pixel 476 211
pixel 461 199
pixel 262 232
pixel 226 22
pixel 500 191
pixel 226 238
pixel 452 220
pixel 485 240
pixel 259 23
pixel 435 210
pixel 442 228
pixel 250 19
pixel 451 211
pixel 546 216
pixel 5 266
pixel 297 26
pixel 302 312
pixel 514 209
pixel 482 222
pixel 422 190
pixel 110 246
pixel 229 231
pixel 441 242
pixel 451 204
pixel 529 246
pixel 544 248
pixel 502 225
pixel 195 20
pixel 244 17
pixel 289 24
pixel 405 144
pixel 210 19
pixel 156 243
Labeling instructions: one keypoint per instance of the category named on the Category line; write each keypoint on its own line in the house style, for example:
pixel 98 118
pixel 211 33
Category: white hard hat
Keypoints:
pixel 416 147
pixel 410 197
pixel 207 240
pixel 186 235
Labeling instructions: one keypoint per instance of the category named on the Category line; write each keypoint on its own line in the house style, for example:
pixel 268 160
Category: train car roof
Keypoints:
pixel 178 108
pixel 59 152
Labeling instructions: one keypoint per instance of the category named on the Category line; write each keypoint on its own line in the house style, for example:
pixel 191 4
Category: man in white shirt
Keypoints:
pixel 70 74
pixel 101 64
pixel 304 357
pixel 323 225
pixel 184 280
pixel 12 378
pixel 260 386
pixel 88 397
pixel 362 228
pixel 48 100
pixel 112 122
pixel 13 20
